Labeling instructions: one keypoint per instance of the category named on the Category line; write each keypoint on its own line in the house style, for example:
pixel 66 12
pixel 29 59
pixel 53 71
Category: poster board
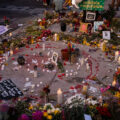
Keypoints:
pixel 9 90
pixel 92 5
pixel 3 29
pixel 83 27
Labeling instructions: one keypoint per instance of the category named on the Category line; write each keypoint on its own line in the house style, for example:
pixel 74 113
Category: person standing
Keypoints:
pixel 117 5
pixel 48 2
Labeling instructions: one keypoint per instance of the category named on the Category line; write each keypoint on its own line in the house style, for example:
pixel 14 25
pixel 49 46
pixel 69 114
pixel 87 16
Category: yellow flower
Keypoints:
pixel 49 117
pixel 105 105
pixel 117 94
pixel 56 112
pixel 30 107
pixel 45 114
pixel 40 108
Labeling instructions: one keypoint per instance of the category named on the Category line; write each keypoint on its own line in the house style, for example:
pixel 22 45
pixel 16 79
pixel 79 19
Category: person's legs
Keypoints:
pixel 118 4
pixel 113 3
pixel 48 2
pixel 44 2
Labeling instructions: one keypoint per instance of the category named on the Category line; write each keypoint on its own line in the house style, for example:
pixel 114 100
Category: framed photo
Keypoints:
pixel 106 35
pixel 97 24
pixel 55 57
pixel 90 16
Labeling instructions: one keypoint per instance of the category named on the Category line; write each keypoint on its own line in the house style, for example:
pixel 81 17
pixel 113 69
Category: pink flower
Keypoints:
pixel 24 117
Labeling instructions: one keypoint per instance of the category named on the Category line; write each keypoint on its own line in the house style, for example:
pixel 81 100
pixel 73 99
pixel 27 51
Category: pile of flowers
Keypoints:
pixel 80 99
pixel 37 112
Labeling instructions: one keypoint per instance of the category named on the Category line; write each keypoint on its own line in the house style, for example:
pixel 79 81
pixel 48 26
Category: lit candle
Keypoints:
pixel 55 37
pixel 84 90
pixel 10 34
pixel 2 67
pixel 11 52
pixel 35 72
pixel 118 60
pixel 116 55
pixel 59 96
pixel 114 83
pixel 43 46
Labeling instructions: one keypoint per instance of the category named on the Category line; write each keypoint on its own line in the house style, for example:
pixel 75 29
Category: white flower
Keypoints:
pixel 48 106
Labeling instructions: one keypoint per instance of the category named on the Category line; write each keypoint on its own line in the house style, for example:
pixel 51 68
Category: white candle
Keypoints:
pixel 6 57
pixel 66 75
pixel 43 46
pixel 87 66
pixel 82 61
pixel 116 55
pixel 55 37
pixel 48 53
pixel 118 60
pixel 2 67
pixel 101 100
pixel 35 74
pixel 71 74
pixel 27 79
pixel 59 96
pixel 11 52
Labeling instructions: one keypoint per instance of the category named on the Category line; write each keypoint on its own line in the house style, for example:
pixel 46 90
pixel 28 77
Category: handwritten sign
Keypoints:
pixel 9 90
pixel 92 5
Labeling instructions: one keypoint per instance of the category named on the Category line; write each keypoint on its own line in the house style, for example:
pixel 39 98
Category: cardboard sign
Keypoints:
pixel 92 5
pixel 97 24
pixel 9 90
pixel 106 35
